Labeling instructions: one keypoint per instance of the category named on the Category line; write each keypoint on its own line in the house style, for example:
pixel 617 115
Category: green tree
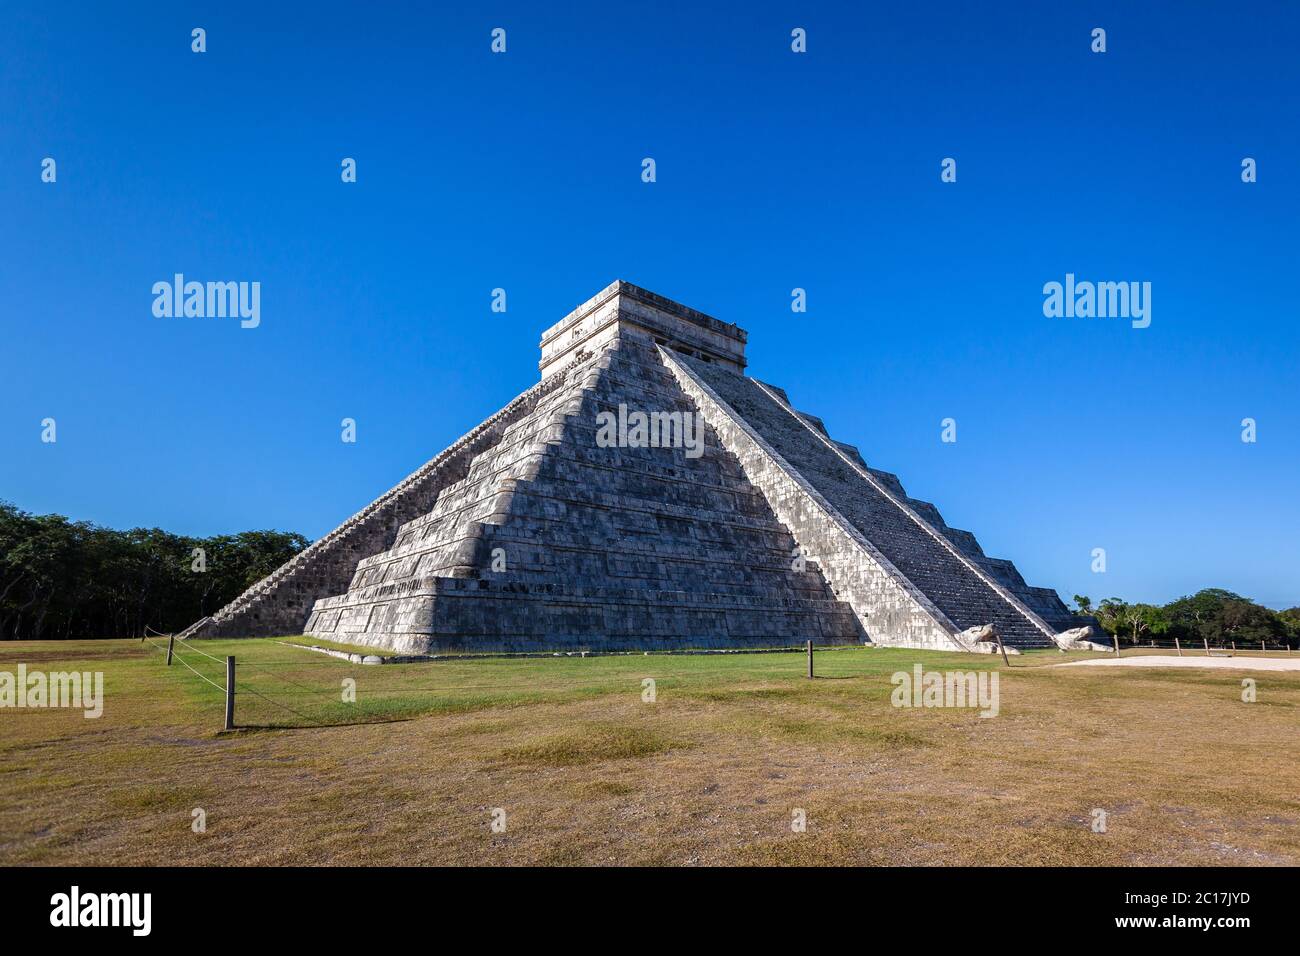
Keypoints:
pixel 1140 619
pixel 63 579
pixel 1111 613
pixel 1249 622
pixel 1290 620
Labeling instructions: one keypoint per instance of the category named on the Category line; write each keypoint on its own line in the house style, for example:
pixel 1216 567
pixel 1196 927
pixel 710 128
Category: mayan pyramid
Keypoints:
pixel 533 533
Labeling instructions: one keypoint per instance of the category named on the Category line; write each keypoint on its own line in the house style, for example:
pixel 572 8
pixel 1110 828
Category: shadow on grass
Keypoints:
pixel 257 728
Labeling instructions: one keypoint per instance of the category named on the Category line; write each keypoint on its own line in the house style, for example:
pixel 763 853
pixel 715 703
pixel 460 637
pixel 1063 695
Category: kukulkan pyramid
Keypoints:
pixel 566 522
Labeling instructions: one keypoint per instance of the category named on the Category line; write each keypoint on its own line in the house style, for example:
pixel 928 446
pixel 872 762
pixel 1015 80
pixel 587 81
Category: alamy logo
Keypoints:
pixel 1101 300
pixel 103 909
pixel 38 689
pixel 209 300
pixel 951 689
pixel 650 430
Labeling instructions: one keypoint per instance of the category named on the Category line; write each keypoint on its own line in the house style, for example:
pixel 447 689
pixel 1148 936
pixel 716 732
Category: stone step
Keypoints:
pixel 956 585
pixel 622 521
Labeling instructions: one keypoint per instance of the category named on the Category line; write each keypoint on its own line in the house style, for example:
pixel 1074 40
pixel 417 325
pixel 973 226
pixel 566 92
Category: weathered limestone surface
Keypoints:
pixel 959 591
pixel 622 308
pixel 528 535
pixel 280 603
pixel 889 606
pixel 611 548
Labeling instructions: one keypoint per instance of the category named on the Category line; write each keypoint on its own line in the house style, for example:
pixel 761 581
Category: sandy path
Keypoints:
pixel 1218 663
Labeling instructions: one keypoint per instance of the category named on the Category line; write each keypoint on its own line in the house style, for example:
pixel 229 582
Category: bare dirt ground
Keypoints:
pixel 1203 663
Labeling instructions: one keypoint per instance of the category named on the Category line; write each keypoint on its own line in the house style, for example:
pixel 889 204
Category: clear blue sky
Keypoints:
pixel 775 170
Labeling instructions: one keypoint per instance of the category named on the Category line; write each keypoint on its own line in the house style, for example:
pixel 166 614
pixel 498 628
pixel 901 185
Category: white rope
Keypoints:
pixel 209 680
pixel 191 647
pixel 249 690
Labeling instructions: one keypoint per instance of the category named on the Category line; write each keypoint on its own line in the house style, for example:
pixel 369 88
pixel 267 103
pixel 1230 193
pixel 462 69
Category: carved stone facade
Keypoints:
pixel 536 532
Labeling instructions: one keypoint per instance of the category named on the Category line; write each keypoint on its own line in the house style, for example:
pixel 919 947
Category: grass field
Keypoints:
pixel 588 773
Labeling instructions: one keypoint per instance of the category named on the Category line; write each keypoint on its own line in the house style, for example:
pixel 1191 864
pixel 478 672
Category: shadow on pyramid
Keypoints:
pixel 645 495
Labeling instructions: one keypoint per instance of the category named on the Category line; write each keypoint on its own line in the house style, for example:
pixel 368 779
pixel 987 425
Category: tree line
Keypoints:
pixel 73 579
pixel 1212 616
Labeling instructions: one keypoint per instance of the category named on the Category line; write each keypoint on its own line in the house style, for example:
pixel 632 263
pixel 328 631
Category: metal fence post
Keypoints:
pixel 810 664
pixel 171 642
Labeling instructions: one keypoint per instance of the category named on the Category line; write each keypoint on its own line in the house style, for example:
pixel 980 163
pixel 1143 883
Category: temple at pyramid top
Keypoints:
pixel 622 306
pixel 735 520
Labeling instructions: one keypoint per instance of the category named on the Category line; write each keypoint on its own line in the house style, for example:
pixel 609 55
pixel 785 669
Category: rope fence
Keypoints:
pixel 187 654
pixel 405 695
pixel 228 691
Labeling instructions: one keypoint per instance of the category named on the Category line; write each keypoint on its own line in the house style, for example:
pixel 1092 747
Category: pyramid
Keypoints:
pixel 562 523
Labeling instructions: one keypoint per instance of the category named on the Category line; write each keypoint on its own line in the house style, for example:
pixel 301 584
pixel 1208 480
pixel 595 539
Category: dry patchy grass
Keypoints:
pixel 589 774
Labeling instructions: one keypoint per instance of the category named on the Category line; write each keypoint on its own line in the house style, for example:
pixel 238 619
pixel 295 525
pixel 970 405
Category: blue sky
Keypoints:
pixel 775 171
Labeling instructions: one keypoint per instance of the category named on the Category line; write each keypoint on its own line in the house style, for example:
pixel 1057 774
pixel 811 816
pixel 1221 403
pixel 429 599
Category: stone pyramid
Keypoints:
pixel 549 528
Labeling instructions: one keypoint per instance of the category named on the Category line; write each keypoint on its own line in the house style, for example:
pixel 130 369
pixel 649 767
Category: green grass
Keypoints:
pixel 337 646
pixel 590 773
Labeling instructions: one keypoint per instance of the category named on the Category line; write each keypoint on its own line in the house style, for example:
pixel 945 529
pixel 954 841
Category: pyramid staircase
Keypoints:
pixel 532 533
pixel 553 542
pixel 961 586
pixel 280 602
